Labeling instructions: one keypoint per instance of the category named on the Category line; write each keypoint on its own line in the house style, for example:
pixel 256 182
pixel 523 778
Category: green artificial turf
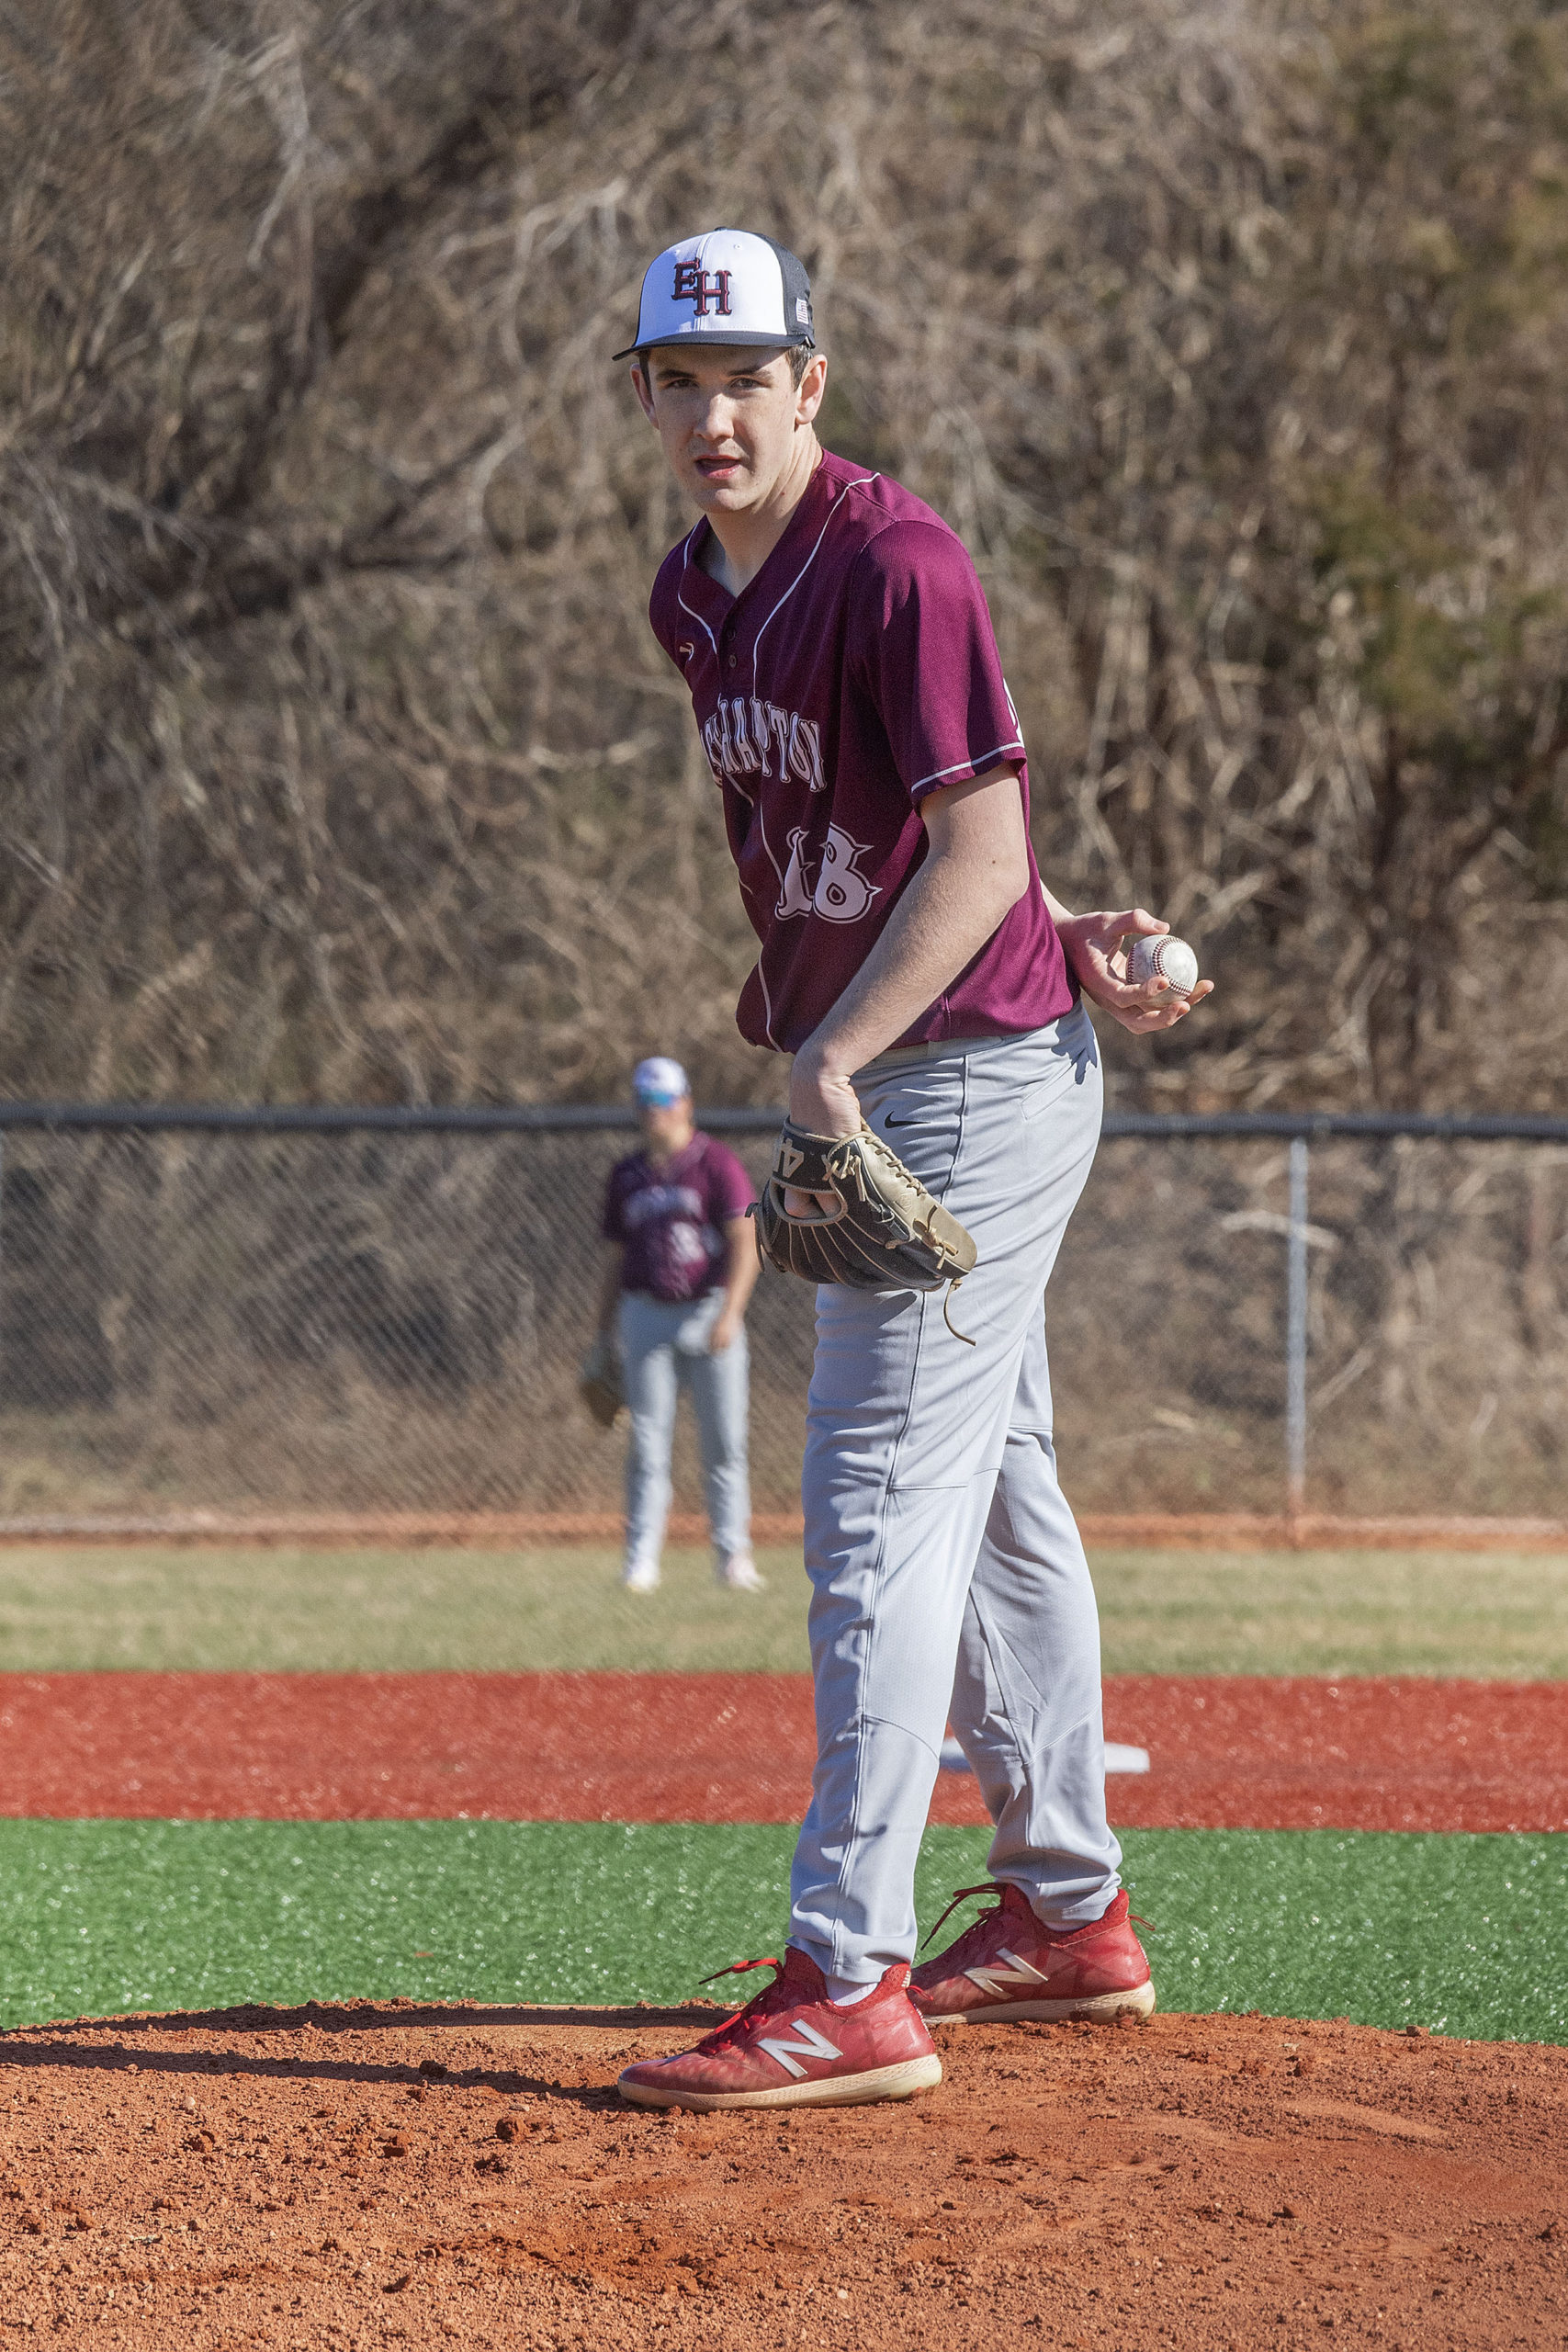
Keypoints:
pixel 1163 1612
pixel 1463 1934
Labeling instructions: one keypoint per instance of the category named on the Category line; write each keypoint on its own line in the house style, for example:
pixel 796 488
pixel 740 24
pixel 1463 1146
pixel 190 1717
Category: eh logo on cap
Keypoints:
pixel 693 284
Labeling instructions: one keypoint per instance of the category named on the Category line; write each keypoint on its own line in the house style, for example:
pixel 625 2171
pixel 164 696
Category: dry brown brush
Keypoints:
pixel 337 759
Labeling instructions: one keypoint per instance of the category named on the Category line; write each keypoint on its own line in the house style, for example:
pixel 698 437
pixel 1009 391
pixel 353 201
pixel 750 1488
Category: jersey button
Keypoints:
pixel 732 661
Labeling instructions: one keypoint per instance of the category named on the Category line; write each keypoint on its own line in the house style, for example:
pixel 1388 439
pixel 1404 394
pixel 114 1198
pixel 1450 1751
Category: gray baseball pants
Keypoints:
pixel 664 1348
pixel 948 1576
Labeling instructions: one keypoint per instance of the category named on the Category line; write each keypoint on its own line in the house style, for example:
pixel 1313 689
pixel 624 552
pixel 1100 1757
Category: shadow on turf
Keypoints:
pixel 21 2048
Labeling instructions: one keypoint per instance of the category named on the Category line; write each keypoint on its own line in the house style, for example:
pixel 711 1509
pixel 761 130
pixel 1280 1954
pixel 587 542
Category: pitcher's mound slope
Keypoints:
pixel 468 2175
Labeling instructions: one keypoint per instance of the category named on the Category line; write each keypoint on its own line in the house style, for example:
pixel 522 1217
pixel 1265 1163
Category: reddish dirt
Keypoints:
pixel 1226 1751
pixel 1249 1752
pixel 291 2178
pixel 1177 1531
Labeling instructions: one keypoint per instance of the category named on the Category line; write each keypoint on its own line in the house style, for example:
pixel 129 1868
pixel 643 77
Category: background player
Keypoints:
pixel 682 1264
pixel 844 674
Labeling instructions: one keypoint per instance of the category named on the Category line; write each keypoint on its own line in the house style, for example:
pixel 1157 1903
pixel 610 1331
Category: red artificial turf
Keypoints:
pixel 1226 1751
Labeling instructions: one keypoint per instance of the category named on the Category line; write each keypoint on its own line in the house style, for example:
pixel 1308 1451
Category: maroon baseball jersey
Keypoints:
pixel 855 674
pixel 671 1219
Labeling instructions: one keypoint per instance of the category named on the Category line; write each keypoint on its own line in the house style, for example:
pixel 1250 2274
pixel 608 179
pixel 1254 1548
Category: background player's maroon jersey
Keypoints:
pixel 856 672
pixel 671 1219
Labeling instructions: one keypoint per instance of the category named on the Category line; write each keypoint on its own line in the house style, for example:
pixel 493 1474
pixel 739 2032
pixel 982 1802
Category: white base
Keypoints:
pixel 1118 1758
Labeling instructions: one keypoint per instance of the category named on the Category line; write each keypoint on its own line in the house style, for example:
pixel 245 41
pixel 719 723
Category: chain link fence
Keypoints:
pixel 383 1312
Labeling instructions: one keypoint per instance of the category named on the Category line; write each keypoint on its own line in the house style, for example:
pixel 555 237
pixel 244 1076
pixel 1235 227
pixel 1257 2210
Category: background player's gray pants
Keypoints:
pixel 664 1348
pixel 946 1568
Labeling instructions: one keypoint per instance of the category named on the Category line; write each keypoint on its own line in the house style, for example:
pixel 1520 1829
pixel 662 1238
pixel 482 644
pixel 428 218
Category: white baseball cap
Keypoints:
pixel 725 286
pixel 660 1082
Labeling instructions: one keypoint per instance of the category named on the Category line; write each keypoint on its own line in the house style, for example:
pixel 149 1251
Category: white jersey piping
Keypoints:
pixel 681 595
pixel 975 767
pixel 772 861
pixel 860 483
pixel 767 1003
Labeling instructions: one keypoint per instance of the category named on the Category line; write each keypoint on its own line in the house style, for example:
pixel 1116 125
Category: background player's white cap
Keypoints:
pixel 658 1081
pixel 725 286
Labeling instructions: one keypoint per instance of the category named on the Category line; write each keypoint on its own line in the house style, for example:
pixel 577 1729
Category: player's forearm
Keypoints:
pixel 944 918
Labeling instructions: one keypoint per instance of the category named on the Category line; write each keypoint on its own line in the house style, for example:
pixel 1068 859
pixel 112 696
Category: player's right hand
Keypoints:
pixel 1093 947
pixel 824 1103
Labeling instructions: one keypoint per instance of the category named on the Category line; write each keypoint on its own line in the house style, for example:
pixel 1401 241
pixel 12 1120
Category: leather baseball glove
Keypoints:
pixel 885 1233
pixel 599 1383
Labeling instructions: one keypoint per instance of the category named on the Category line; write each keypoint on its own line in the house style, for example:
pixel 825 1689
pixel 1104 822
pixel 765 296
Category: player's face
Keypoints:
pixel 667 1125
pixel 730 421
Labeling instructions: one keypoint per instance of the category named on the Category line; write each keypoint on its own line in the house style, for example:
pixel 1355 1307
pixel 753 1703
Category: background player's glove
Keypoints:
pixel 599 1383
pixel 885 1233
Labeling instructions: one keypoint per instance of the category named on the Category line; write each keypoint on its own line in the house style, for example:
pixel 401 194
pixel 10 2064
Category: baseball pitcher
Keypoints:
pixel 944 1110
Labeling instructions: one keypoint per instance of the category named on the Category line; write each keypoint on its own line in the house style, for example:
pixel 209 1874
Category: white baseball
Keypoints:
pixel 1164 958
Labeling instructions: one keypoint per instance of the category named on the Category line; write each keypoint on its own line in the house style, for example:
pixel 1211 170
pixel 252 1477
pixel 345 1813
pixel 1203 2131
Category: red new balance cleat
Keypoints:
pixel 1007 1965
pixel 790 2047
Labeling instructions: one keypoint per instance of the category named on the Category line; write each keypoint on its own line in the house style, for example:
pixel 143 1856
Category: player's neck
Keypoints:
pixel 741 543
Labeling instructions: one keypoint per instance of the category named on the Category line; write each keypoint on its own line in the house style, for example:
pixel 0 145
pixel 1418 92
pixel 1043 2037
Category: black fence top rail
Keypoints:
pixel 225 1118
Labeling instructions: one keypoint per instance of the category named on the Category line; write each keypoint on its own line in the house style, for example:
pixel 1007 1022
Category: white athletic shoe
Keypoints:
pixel 641 1576
pixel 739 1573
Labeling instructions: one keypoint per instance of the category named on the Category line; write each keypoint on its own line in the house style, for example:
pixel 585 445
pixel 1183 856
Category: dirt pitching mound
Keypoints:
pixel 345 2175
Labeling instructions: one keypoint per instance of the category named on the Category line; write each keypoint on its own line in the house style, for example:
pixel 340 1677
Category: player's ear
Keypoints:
pixel 809 392
pixel 642 388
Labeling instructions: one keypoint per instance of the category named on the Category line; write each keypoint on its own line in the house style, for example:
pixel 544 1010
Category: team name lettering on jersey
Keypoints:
pixel 746 737
pixel 841 893
pixel 662 1200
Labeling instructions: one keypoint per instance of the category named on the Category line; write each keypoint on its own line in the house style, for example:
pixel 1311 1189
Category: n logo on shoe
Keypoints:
pixel 994 1979
pixel 808 2044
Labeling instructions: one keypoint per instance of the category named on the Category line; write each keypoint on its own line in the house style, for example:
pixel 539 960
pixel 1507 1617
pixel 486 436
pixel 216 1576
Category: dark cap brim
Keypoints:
pixel 721 342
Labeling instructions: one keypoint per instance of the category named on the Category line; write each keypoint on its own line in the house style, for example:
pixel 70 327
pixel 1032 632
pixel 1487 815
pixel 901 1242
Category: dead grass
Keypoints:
pixel 1279 1612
